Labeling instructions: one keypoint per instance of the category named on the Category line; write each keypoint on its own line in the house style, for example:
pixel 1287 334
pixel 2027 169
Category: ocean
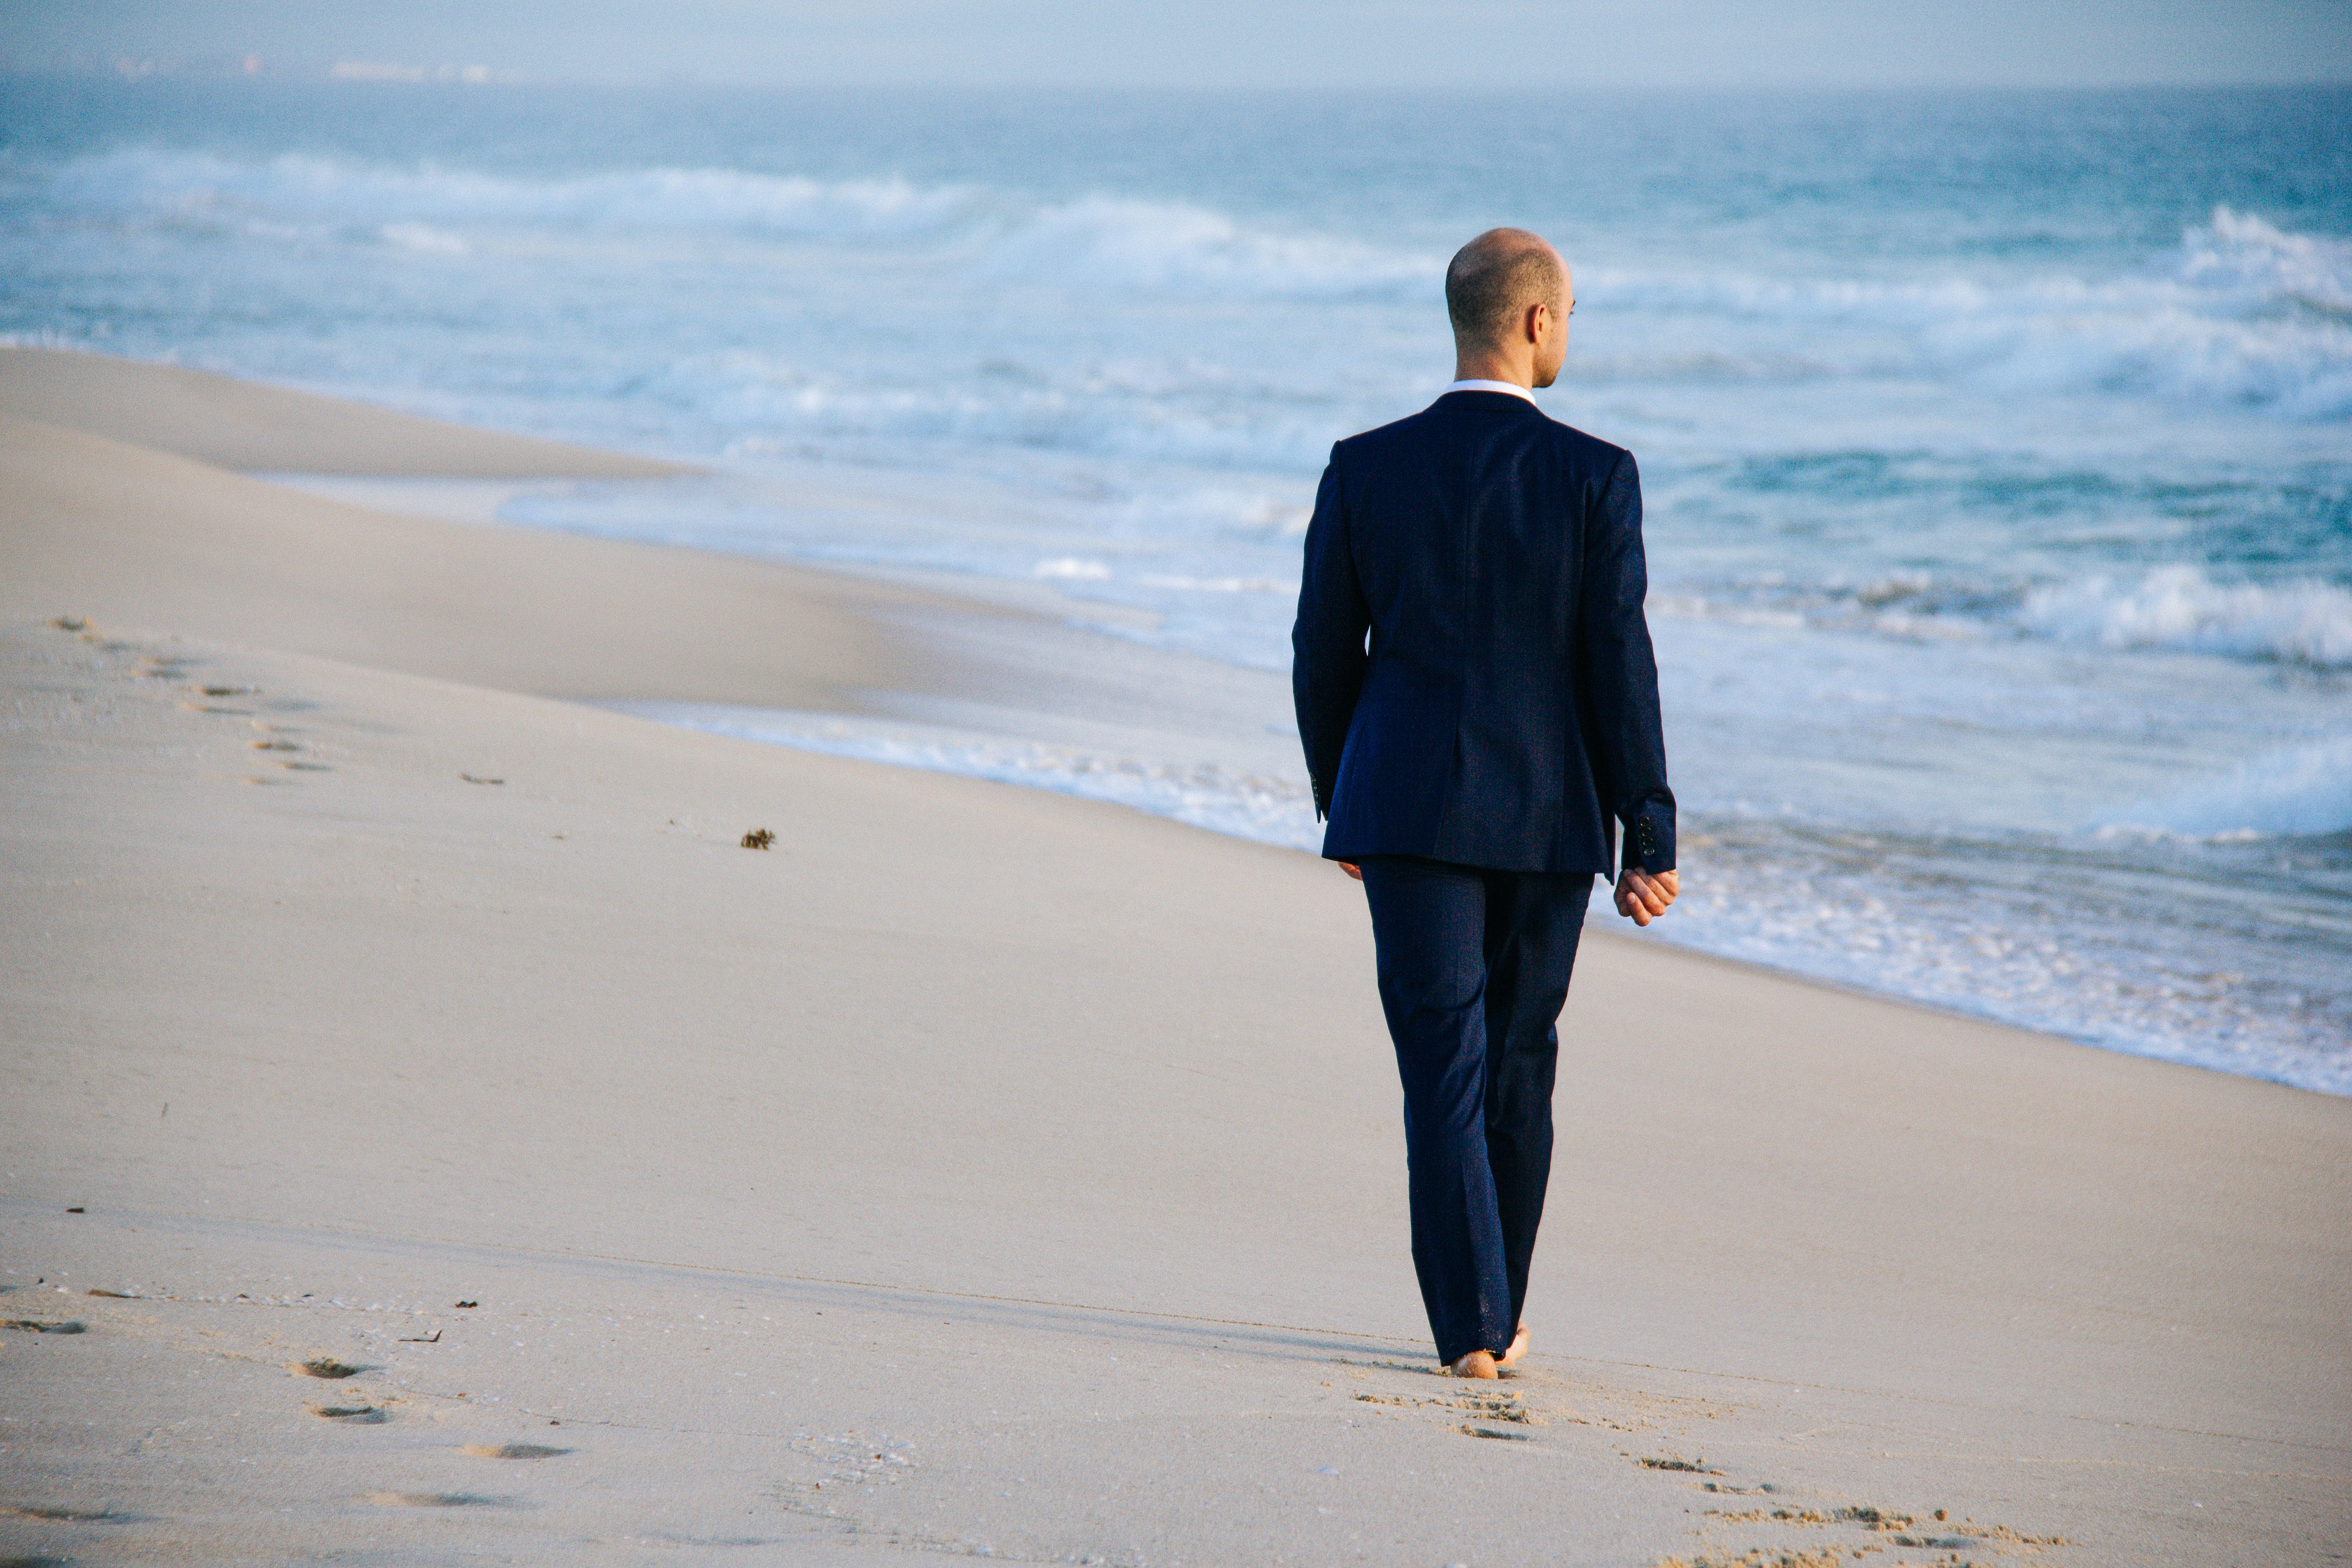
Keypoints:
pixel 1997 447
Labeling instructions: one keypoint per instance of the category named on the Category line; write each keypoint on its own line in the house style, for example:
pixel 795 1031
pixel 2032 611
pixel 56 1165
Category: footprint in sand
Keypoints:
pixel 353 1414
pixel 511 1451
pixel 35 1326
pixel 328 1366
pixel 276 743
pixel 436 1500
pixel 307 767
pixel 1498 1407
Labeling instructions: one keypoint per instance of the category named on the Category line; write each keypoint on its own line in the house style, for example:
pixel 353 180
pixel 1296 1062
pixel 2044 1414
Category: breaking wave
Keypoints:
pixel 1094 242
pixel 201 186
pixel 2181 609
pixel 2303 791
pixel 2239 314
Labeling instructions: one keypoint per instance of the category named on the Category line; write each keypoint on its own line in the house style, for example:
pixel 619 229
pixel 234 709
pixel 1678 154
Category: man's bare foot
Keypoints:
pixel 1477 1363
pixel 1518 1348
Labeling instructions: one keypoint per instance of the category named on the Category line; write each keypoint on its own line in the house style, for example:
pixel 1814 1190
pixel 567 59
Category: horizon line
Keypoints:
pixel 474 75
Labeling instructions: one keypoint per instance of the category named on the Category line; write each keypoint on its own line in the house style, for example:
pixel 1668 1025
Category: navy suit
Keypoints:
pixel 1479 706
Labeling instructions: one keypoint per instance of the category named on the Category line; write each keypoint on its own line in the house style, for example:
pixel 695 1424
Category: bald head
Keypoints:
pixel 1493 280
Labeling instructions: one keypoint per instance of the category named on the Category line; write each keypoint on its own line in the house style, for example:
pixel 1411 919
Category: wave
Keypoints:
pixel 1093 242
pixel 2180 608
pixel 1241 805
pixel 1153 415
pixel 2240 313
pixel 204 186
pixel 2304 791
pixel 1170 247
pixel 2170 609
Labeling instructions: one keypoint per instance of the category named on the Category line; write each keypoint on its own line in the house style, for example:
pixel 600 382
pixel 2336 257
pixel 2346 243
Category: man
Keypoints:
pixel 1476 759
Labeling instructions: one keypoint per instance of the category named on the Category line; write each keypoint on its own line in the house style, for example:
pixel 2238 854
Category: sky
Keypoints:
pixel 1502 45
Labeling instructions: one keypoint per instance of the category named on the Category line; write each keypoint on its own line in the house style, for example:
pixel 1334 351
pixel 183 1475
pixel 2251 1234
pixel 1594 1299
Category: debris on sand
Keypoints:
pixel 328 1366
pixel 757 838
pixel 62 1516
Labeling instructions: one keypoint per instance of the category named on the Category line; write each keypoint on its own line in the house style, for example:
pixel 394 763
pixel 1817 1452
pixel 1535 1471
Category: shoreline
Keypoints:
pixel 1007 666
pixel 319 911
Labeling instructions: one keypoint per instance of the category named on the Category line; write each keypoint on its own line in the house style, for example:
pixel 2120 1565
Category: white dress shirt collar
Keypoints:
pixel 1513 388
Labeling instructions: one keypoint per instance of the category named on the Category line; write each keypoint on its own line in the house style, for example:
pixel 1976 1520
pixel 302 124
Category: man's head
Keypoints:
pixel 1509 295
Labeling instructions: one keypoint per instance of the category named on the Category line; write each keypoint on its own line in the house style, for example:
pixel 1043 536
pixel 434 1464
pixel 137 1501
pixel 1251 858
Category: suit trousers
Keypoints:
pixel 1473 968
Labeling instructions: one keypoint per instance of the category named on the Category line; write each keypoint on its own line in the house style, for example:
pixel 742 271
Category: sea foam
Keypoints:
pixel 2182 608
pixel 2300 791
pixel 2239 314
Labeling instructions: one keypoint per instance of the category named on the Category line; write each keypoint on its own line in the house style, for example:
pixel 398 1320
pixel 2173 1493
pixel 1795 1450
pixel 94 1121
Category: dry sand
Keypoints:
pixel 974 1171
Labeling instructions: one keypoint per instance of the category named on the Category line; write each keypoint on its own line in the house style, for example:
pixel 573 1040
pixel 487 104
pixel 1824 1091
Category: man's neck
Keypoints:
pixel 1494 367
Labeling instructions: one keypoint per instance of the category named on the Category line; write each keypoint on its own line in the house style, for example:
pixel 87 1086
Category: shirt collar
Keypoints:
pixel 1513 388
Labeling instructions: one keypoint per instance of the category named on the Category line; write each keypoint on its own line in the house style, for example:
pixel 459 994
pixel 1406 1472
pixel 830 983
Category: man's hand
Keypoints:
pixel 1355 872
pixel 1643 898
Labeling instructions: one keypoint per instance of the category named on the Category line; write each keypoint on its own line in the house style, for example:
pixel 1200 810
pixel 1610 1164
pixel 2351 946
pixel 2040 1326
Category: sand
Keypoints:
pixel 244 426
pixel 974 1170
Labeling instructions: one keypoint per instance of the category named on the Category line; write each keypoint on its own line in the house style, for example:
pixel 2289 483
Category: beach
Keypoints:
pixel 1996 493
pixel 974 1169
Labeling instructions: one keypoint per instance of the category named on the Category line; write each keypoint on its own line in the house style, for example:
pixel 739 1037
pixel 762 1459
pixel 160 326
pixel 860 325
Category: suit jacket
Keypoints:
pixel 1504 714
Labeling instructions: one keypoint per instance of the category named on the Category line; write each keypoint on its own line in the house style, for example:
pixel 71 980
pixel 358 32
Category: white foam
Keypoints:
pixel 1241 805
pixel 2300 791
pixel 2239 314
pixel 1106 242
pixel 1073 569
pixel 202 184
pixel 426 238
pixel 1095 242
pixel 2179 607
pixel 2238 253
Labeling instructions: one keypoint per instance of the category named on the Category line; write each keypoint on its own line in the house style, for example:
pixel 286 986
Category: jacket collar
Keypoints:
pixel 1492 401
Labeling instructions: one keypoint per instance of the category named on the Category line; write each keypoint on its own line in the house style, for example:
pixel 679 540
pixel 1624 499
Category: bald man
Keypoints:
pixel 1479 706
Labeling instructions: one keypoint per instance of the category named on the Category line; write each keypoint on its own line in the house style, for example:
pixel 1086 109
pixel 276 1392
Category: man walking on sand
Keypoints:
pixel 1476 758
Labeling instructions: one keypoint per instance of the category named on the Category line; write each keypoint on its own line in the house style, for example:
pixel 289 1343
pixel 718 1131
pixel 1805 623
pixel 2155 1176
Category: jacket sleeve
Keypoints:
pixel 1327 643
pixel 1622 674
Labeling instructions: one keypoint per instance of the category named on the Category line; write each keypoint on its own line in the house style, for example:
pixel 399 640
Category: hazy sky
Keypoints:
pixel 1502 44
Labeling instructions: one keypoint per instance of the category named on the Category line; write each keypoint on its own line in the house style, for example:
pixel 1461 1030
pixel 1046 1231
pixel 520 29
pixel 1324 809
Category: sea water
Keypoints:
pixel 1997 447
